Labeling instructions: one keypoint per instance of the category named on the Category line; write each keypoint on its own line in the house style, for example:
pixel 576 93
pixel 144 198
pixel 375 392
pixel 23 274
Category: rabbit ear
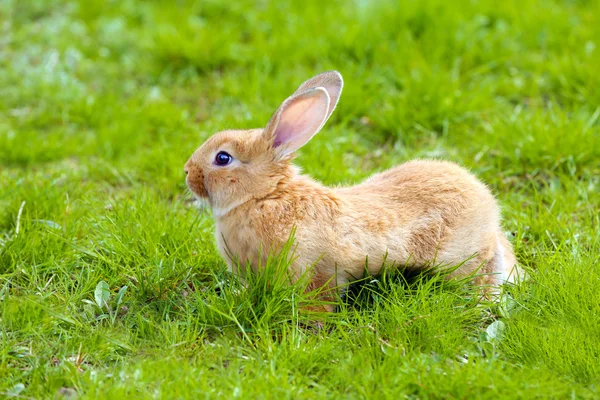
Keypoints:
pixel 297 120
pixel 331 81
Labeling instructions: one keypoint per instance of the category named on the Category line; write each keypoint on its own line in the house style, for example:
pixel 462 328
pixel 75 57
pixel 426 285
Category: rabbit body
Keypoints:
pixel 420 214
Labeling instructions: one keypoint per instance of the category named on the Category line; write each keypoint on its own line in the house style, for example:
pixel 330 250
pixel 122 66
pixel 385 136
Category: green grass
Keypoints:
pixel 102 102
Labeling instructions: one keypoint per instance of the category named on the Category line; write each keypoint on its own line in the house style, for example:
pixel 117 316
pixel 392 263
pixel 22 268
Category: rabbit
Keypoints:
pixel 418 214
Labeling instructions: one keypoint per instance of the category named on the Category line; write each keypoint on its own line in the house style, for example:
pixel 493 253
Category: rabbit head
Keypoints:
pixel 234 166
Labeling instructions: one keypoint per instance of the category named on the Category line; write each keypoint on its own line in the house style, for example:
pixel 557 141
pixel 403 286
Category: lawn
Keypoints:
pixel 110 282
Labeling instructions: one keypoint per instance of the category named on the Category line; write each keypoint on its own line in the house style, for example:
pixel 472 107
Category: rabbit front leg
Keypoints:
pixel 325 286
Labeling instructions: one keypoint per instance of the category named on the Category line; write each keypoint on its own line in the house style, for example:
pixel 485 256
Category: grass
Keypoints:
pixel 102 102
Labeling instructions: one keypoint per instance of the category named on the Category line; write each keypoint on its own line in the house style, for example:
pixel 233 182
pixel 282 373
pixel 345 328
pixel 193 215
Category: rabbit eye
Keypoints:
pixel 223 158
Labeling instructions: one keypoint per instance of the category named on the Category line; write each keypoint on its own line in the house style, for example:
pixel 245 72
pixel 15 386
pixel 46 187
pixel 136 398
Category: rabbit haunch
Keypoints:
pixel 419 214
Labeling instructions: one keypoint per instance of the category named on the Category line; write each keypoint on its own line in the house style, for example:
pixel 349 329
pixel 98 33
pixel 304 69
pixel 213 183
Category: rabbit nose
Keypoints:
pixel 187 171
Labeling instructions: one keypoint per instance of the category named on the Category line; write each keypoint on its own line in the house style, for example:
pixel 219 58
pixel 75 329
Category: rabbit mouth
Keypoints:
pixel 195 182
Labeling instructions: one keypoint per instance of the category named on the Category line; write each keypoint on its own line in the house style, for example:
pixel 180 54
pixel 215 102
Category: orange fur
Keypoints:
pixel 421 213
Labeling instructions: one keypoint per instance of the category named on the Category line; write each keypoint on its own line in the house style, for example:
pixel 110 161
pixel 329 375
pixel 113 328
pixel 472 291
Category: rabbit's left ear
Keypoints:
pixel 304 113
pixel 331 81
pixel 297 120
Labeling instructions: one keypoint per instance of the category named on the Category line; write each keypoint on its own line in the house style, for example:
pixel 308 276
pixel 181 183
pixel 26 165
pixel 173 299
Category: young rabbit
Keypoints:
pixel 418 214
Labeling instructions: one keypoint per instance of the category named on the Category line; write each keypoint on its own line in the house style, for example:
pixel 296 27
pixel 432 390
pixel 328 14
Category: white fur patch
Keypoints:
pixel 502 270
pixel 201 203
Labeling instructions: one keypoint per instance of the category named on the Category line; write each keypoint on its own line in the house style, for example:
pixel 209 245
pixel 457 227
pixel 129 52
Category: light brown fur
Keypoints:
pixel 421 213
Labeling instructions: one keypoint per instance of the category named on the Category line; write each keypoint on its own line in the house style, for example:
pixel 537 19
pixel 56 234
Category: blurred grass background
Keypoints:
pixel 102 102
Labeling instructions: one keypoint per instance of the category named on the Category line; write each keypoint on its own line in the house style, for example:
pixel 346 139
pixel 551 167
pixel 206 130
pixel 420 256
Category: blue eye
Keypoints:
pixel 223 158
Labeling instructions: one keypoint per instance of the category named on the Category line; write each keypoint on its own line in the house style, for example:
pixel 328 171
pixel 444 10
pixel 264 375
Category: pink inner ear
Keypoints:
pixel 277 142
pixel 301 118
pixel 284 133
